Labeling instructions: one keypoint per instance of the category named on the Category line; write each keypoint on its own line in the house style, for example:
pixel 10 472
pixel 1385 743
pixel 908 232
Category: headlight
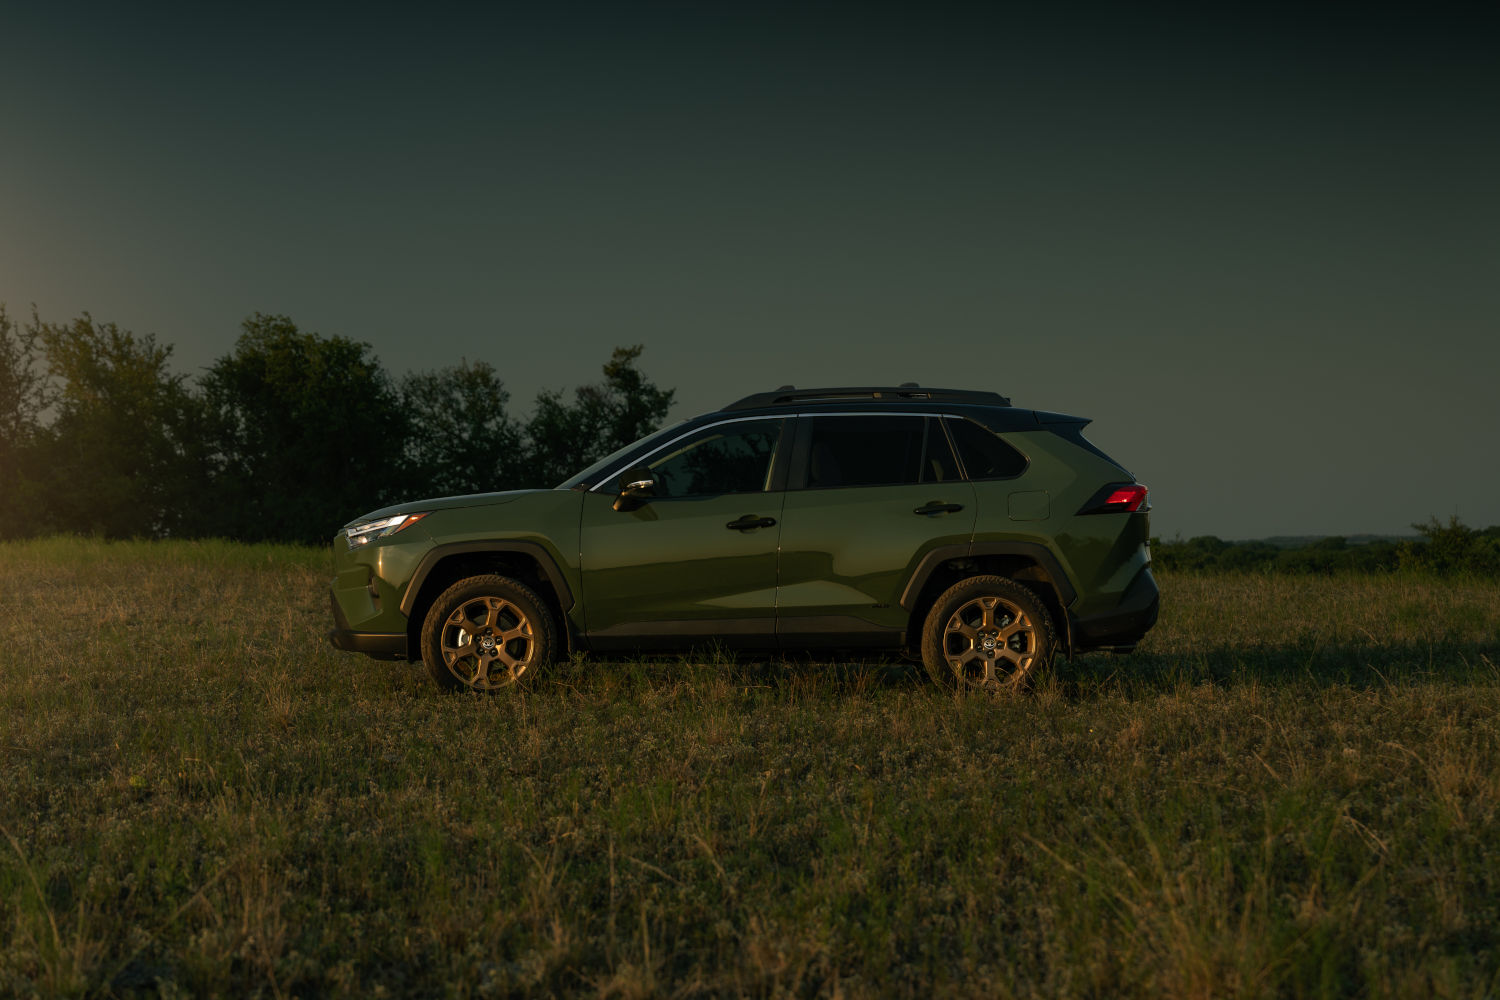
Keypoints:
pixel 366 531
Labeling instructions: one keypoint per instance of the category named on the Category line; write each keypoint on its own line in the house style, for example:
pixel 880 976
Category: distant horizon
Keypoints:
pixel 1359 538
pixel 519 407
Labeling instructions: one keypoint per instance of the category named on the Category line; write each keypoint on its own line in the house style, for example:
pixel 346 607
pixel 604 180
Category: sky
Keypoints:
pixel 1260 249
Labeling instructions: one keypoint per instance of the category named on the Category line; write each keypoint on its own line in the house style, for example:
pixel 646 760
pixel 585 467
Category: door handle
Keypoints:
pixel 936 507
pixel 750 521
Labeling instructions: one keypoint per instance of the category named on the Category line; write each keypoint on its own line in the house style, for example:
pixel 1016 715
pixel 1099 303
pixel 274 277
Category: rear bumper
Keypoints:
pixel 1123 626
pixel 380 645
pixel 376 644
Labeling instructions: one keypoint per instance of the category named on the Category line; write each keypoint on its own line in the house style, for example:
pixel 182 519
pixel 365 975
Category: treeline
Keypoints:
pixel 1451 549
pixel 285 438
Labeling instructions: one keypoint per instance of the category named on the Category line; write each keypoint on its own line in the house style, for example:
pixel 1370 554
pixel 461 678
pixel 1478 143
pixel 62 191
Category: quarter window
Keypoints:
pixel 984 455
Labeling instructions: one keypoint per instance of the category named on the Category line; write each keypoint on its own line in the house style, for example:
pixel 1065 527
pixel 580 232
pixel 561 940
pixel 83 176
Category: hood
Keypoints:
pixel 446 503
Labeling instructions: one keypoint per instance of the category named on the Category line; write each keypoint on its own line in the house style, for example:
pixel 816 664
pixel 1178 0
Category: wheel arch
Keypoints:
pixel 1028 563
pixel 444 565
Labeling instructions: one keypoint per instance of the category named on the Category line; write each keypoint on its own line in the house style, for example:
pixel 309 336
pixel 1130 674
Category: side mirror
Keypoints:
pixel 637 487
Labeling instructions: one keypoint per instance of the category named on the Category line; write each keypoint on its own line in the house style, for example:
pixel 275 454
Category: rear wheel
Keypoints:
pixel 987 632
pixel 486 633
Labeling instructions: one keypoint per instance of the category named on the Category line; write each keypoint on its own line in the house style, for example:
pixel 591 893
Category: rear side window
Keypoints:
pixel 865 451
pixel 984 455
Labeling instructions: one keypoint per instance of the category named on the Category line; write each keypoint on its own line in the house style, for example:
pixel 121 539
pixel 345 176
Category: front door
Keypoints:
pixel 696 562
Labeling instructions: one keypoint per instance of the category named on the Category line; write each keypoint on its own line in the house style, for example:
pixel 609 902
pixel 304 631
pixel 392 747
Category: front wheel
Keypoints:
pixel 987 632
pixel 486 633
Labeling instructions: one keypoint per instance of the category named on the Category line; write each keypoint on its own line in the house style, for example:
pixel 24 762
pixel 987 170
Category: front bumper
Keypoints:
pixel 1123 626
pixel 380 645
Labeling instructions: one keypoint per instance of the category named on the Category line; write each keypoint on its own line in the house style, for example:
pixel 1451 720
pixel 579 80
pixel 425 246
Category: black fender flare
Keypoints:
pixel 535 550
pixel 1034 551
pixel 1031 550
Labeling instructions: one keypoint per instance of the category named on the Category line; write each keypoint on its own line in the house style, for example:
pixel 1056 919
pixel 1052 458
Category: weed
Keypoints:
pixel 1289 789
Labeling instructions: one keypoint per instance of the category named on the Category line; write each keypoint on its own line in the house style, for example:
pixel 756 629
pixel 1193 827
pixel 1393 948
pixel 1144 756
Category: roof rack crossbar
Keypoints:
pixel 790 396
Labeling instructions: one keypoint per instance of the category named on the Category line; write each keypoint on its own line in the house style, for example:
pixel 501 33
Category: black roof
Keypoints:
pixel 908 392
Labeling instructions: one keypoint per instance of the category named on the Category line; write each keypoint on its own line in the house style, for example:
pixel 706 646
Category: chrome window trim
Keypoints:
pixel 875 413
pixel 642 460
pixel 615 472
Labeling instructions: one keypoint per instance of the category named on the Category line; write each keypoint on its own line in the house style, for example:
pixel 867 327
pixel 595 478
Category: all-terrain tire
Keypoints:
pixel 485 633
pixel 987 632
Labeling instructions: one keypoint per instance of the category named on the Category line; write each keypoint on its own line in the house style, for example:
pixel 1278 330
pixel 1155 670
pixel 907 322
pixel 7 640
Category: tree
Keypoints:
pixel 23 382
pixel 308 432
pixel 23 396
pixel 461 439
pixel 603 418
pixel 120 454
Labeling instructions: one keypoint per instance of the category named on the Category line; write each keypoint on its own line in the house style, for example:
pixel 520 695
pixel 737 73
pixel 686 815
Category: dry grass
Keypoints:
pixel 1292 789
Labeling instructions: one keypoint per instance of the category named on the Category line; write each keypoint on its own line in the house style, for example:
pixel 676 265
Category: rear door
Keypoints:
pixel 868 496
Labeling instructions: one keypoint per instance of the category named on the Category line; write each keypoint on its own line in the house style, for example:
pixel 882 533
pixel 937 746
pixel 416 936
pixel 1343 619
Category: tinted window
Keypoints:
pixel 938 465
pixel 728 458
pixel 585 479
pixel 865 451
pixel 984 455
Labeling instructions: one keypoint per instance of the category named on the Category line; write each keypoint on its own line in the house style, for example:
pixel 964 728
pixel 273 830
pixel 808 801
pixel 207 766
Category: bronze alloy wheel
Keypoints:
pixel 987 632
pixel 989 641
pixel 487 643
pixel 486 633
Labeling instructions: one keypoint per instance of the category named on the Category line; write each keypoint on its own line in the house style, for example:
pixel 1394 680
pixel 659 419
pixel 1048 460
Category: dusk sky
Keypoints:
pixel 1262 250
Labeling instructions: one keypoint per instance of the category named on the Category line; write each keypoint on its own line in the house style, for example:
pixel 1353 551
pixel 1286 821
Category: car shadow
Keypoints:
pixel 1302 663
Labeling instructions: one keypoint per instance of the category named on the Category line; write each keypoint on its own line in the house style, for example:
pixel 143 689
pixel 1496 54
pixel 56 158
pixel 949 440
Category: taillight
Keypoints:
pixel 1125 498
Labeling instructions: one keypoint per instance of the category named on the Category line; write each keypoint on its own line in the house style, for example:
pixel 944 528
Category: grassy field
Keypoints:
pixel 1292 789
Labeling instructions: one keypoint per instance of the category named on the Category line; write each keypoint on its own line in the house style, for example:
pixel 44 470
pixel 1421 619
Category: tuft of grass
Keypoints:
pixel 1292 788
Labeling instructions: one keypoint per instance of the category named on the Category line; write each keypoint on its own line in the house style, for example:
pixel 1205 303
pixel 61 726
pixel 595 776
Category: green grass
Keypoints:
pixel 1292 789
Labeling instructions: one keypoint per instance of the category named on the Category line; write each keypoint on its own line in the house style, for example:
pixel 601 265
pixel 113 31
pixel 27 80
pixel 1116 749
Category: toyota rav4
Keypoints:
pixel 981 537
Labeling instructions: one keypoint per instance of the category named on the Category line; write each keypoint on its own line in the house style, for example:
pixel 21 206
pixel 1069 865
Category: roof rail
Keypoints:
pixel 908 391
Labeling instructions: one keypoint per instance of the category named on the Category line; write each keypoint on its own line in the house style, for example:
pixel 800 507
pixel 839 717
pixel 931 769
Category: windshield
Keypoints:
pixel 586 478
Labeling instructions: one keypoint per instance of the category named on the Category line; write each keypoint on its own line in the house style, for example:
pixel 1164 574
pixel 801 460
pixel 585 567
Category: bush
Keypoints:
pixel 1451 549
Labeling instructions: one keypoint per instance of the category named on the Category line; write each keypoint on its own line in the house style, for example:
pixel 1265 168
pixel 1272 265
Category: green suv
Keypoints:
pixel 981 537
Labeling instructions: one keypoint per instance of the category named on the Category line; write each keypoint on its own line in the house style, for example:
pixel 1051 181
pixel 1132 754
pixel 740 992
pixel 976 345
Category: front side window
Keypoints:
pixel 586 478
pixel 726 458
